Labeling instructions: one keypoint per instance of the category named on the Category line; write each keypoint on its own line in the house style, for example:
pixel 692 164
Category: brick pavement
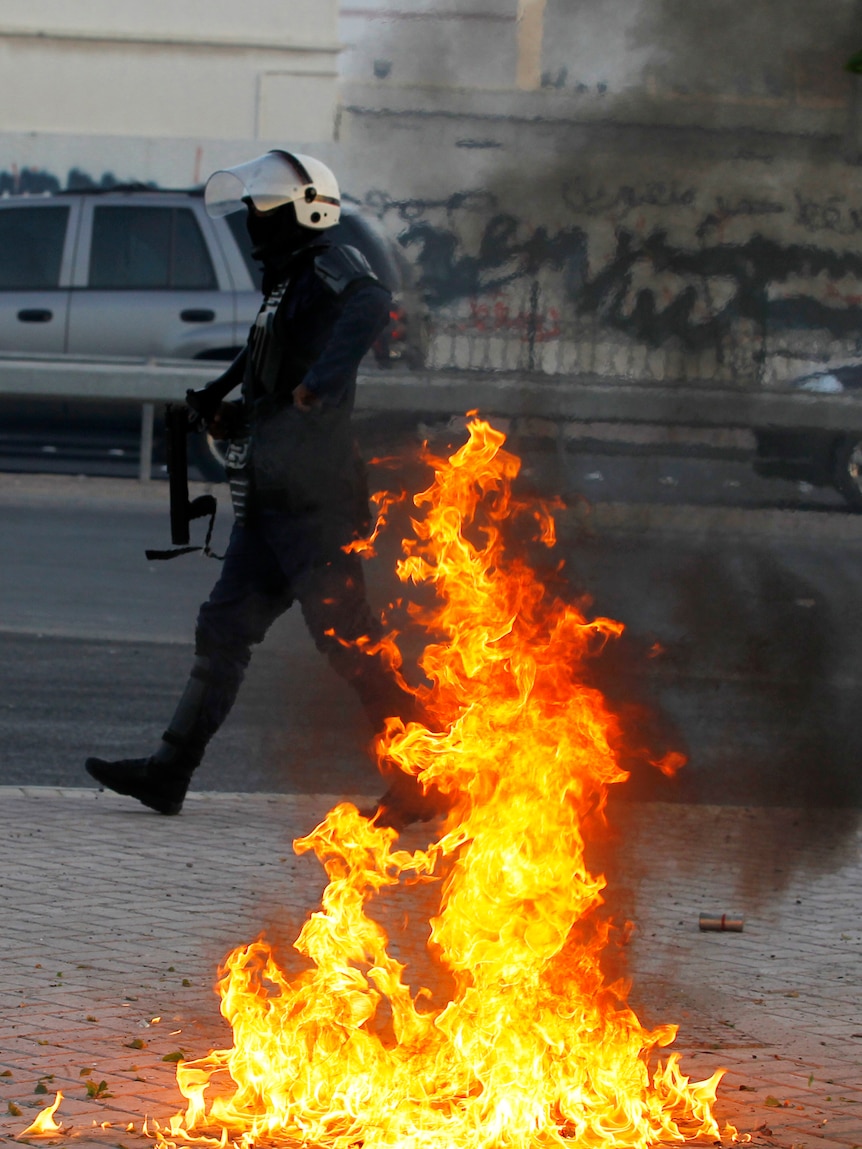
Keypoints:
pixel 114 921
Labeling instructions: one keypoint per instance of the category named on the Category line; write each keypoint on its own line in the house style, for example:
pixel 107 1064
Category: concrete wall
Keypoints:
pixel 675 197
pixel 192 68
pixel 280 22
pixel 461 44
pixel 659 254
pixel 647 189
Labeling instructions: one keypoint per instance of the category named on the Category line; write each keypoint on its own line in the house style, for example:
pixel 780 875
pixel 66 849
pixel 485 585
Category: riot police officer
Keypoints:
pixel 296 479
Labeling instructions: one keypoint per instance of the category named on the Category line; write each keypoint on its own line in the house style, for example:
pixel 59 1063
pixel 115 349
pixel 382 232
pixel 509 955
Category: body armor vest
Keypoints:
pixel 302 462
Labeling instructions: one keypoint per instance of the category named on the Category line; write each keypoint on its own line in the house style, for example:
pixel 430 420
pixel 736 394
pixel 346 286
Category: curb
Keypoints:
pixel 94 793
pixel 640 518
pixel 602 399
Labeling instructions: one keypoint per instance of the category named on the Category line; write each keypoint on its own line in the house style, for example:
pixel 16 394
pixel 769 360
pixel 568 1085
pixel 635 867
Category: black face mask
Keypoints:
pixel 275 235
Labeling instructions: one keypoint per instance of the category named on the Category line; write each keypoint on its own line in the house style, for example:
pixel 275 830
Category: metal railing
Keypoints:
pixel 144 381
pixel 523 334
pixel 495 386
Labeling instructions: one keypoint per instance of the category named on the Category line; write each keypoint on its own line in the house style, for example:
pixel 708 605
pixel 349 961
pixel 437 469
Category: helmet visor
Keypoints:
pixel 269 182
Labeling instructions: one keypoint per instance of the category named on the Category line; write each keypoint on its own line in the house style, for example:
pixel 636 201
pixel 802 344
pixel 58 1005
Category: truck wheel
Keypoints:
pixel 847 470
pixel 205 453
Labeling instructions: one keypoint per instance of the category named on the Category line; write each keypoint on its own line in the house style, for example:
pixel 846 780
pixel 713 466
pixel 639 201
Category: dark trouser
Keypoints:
pixel 270 563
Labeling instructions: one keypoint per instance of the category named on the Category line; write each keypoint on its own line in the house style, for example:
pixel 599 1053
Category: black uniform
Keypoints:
pixel 299 496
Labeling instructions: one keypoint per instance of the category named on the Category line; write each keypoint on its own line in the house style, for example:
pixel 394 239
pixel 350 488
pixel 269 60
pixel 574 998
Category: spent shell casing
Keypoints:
pixel 721 922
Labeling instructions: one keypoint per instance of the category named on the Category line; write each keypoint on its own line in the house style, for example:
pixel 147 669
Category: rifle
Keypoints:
pixel 182 509
pixel 205 401
pixel 180 418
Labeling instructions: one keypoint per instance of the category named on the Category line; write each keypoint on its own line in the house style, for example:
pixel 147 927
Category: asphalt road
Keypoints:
pixel 758 615
pixel 633 463
pixel 97 642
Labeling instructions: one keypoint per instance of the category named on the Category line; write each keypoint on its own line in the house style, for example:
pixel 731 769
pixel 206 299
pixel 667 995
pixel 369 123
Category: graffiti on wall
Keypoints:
pixel 769 267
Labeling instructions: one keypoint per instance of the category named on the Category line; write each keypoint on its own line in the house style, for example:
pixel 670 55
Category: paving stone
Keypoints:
pixel 111 896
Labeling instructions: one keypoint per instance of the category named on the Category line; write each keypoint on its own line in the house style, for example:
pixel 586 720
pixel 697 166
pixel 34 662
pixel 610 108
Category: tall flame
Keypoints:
pixel 535 1048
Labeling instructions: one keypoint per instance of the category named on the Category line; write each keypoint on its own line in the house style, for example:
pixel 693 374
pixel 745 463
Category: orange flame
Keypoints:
pixel 384 501
pixel 44 1124
pixel 535 1048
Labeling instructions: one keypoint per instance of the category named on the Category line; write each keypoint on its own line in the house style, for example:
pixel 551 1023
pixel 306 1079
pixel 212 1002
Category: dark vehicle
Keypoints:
pixel 143 273
pixel 818 456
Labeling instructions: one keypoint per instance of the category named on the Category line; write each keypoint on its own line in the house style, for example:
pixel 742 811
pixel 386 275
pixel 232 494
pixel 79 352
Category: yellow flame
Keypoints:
pixel 44 1124
pixel 535 1048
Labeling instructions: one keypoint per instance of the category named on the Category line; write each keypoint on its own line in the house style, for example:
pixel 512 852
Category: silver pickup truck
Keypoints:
pixel 141 272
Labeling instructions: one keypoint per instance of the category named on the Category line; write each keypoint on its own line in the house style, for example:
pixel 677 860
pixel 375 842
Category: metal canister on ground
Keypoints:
pixel 721 922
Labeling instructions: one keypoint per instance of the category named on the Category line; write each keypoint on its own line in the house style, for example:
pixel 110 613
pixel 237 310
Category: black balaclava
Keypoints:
pixel 276 236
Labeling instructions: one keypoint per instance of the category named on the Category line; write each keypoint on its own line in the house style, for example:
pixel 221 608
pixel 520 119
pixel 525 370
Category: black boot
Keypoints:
pixel 159 785
pixel 161 781
pixel 405 803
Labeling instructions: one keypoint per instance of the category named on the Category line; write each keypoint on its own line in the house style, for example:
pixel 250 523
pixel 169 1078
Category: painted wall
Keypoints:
pixel 192 68
pixel 281 22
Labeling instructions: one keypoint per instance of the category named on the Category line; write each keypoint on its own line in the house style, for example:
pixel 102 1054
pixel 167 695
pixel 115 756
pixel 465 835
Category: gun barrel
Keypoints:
pixel 177 427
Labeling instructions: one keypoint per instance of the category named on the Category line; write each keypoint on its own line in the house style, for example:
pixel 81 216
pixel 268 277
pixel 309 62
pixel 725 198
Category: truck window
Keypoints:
pixel 31 247
pixel 149 248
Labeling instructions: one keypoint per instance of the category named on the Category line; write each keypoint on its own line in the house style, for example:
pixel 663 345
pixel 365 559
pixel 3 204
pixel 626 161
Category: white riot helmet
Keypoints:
pixel 276 179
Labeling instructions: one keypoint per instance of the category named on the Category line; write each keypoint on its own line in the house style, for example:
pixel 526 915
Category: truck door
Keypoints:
pixel 146 284
pixel 35 262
